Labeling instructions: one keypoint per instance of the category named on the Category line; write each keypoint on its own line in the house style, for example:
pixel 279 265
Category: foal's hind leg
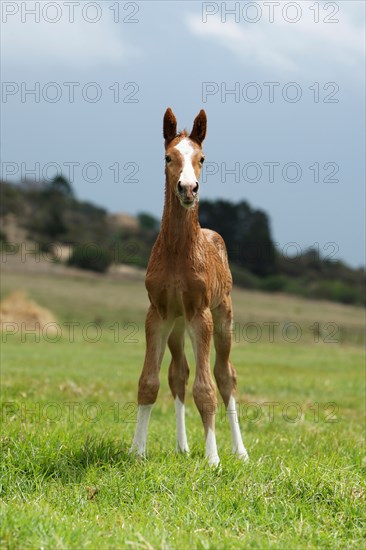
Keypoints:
pixel 178 379
pixel 225 373
pixel 157 332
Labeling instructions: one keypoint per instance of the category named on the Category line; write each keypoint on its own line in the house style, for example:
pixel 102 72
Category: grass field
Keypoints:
pixel 68 412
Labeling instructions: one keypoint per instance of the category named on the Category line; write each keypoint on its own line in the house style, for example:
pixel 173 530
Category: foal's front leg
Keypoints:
pixel 204 393
pixel 157 332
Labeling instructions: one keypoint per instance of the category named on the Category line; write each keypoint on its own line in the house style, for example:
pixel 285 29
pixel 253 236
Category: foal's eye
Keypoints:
pixel 168 158
pixel 202 160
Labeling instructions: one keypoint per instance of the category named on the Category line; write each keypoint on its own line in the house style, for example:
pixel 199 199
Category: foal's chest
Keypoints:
pixel 174 291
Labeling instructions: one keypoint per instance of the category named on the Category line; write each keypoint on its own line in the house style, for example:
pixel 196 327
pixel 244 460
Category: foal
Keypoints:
pixel 188 282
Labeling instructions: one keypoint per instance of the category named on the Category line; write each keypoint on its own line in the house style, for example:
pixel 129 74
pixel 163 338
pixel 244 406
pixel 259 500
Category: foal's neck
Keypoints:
pixel 180 227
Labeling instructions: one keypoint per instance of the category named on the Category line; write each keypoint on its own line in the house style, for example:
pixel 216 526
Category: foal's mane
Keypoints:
pixel 183 133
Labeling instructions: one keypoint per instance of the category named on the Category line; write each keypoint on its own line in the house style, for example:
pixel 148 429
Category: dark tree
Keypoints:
pixel 246 233
pixel 60 184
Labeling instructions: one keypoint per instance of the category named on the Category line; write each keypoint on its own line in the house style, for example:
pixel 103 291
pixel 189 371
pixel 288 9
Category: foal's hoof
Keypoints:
pixel 243 456
pixel 139 459
pixel 213 461
pixel 180 451
pixel 137 452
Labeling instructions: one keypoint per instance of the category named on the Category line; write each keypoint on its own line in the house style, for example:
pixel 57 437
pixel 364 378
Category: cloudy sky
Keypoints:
pixel 86 84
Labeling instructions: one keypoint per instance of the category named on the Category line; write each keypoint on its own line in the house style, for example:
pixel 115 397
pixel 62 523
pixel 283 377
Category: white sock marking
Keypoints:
pixel 238 445
pixel 211 448
pixel 143 418
pixel 182 444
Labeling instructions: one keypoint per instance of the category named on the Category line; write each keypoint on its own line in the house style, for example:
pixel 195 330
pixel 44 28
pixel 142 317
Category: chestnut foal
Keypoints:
pixel 189 282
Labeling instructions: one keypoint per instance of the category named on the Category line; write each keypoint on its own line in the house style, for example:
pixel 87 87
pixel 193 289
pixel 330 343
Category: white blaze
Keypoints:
pixel 188 177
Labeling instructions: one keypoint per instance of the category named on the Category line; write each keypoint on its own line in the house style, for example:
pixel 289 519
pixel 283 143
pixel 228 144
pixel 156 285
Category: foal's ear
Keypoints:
pixel 198 133
pixel 169 126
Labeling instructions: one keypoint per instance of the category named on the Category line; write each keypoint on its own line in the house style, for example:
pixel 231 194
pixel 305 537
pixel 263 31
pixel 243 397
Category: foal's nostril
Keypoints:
pixel 180 188
pixel 195 188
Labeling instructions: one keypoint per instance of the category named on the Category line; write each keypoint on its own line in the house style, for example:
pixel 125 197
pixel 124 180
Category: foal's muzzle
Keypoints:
pixel 187 193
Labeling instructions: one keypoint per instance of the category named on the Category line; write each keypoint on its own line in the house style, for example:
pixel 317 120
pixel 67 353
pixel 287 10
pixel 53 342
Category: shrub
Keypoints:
pixel 92 257
pixel 3 237
pixel 342 292
pixel 337 291
pixel 243 278
pixel 297 286
pixel 274 283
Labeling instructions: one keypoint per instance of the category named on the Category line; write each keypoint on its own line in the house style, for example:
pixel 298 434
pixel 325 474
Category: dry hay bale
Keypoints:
pixel 26 314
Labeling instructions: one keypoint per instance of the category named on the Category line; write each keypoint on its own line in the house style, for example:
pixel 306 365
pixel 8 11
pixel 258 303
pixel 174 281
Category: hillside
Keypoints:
pixel 47 217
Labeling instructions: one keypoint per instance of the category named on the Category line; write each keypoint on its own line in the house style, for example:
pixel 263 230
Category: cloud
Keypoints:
pixel 74 44
pixel 296 47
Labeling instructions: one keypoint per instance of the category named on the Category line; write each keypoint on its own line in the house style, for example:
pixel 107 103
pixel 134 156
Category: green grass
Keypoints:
pixel 68 420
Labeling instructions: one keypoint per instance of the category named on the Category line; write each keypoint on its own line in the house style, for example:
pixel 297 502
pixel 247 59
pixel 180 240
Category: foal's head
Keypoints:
pixel 184 157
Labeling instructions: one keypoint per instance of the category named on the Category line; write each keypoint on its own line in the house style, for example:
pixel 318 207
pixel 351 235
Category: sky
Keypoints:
pixel 85 86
